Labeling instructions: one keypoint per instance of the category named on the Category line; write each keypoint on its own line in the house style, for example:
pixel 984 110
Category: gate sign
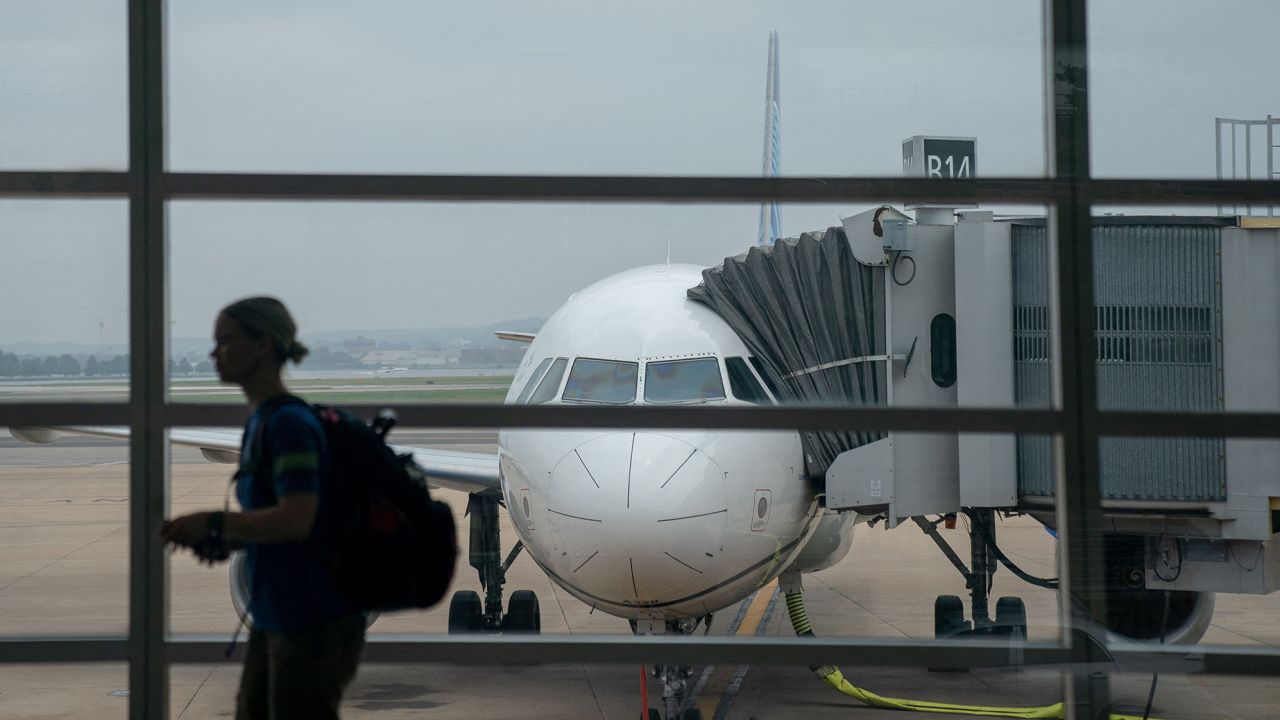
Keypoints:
pixel 939 157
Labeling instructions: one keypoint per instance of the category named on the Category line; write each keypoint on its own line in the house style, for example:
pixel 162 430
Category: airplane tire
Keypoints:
pixel 653 714
pixel 465 613
pixel 523 615
pixel 691 714
pixel 1011 613
pixel 948 616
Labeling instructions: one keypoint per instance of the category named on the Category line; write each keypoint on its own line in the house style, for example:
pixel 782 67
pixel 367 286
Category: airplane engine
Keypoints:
pixel 1135 612
pixel 34 435
pixel 829 543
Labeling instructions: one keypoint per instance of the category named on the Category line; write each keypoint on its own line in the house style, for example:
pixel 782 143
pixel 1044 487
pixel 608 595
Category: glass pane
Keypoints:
pixel 65 333
pixel 605 381
pixel 392 317
pixel 64 539
pixel 645 89
pixel 64 86
pixel 80 691
pixel 1185 697
pixel 1155 90
pixel 683 381
pixel 1189 528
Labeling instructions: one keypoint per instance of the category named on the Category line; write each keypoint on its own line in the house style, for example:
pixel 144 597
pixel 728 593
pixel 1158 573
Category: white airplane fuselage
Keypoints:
pixel 649 523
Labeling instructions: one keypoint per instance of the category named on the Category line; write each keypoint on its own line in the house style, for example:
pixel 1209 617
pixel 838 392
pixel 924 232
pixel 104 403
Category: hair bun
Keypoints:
pixel 296 352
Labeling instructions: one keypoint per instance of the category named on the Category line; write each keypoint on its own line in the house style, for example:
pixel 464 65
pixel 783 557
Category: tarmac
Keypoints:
pixel 63 571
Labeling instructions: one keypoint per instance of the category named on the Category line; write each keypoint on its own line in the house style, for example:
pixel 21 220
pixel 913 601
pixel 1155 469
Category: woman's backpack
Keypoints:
pixel 386 543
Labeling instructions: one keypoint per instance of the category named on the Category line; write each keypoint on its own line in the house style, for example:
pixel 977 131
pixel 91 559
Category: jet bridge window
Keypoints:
pixel 743 384
pixel 550 382
pixel 601 381
pixel 533 381
pixel 682 381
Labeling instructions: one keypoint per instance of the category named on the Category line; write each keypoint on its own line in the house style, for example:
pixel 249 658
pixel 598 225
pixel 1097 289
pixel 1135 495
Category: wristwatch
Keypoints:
pixel 216 520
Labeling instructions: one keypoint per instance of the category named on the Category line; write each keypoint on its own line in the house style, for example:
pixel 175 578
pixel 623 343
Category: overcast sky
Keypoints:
pixel 579 87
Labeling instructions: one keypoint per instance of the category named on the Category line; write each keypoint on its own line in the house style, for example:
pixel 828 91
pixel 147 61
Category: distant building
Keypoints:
pixel 502 356
pixel 410 358
pixel 359 345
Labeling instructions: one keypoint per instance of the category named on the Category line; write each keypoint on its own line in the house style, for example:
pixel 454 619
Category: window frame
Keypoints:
pixel 1074 420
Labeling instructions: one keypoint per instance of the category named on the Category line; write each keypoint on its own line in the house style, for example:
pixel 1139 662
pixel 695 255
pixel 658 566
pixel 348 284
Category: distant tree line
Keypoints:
pixel 65 365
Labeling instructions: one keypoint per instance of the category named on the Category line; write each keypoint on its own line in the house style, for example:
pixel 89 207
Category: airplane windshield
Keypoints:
pixel 602 381
pixel 678 381
pixel 743 384
pixel 533 381
pixel 547 388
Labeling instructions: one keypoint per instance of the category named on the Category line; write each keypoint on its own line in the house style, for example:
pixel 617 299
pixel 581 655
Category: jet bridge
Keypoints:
pixel 928 312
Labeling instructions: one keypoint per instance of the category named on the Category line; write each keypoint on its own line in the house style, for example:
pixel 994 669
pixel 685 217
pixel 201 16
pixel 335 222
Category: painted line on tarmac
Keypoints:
pixel 718 685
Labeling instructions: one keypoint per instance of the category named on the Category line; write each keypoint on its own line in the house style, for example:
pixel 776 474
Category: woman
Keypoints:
pixel 305 643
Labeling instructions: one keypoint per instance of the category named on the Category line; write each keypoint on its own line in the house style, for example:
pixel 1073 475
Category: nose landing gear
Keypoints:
pixel 674 678
pixel 466 613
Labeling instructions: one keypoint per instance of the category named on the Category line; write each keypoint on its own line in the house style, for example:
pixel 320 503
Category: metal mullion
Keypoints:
pixel 553 188
pixel 43 414
pixel 545 188
pixel 148 365
pixel 763 650
pixel 1173 424
pixel 605 649
pixel 64 649
pixel 1165 191
pixel 745 418
pixel 63 184
pixel 1079 503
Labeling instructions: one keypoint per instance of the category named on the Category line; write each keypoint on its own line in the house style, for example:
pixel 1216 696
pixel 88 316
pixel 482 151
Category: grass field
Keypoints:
pixel 336 391
pixel 333 391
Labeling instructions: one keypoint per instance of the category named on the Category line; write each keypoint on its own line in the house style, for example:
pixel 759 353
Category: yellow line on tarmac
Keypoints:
pixel 708 701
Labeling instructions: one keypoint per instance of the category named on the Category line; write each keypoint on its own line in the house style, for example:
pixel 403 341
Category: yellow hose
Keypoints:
pixel 831 675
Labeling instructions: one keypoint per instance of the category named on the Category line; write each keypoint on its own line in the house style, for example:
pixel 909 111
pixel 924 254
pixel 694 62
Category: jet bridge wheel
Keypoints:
pixel 948 622
pixel 1011 616
pixel 465 615
pixel 948 616
pixel 523 615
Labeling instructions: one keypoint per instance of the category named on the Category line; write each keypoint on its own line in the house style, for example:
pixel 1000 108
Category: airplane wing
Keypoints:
pixel 465 471
pixel 520 337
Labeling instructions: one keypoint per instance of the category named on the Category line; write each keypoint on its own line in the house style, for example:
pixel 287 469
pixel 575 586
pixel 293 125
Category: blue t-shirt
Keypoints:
pixel 289 589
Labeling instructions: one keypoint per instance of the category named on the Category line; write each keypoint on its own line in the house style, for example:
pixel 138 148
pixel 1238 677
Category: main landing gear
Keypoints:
pixel 466 613
pixel 948 610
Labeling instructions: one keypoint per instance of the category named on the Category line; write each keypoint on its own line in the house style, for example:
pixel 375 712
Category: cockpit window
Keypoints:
pixel 743 384
pixel 550 382
pixel 533 381
pixel 759 366
pixel 602 381
pixel 677 381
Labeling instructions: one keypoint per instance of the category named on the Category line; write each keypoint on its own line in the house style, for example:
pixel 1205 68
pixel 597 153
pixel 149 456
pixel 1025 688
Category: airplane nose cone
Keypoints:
pixel 637 517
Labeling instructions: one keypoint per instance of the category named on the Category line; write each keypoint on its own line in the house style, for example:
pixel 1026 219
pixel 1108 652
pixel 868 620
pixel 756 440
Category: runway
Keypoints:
pixel 63 565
